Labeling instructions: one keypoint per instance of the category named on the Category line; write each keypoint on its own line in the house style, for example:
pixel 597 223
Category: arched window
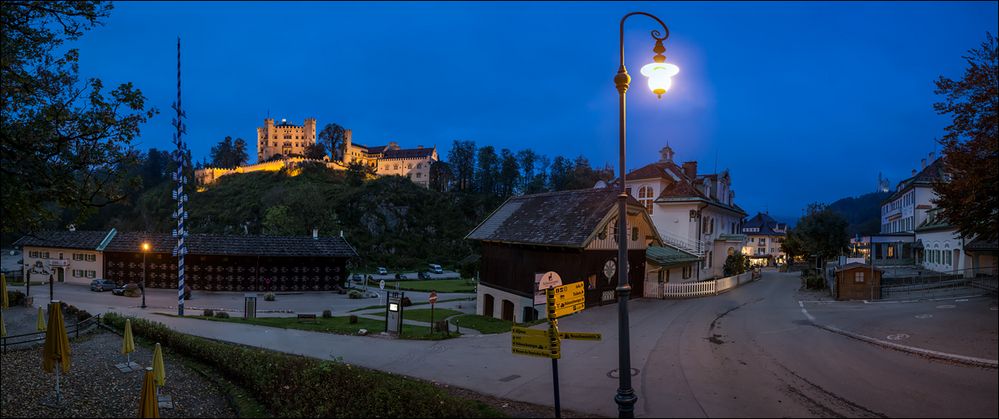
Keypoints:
pixel 645 196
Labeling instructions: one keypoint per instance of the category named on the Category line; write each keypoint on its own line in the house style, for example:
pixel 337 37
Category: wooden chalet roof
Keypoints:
pixel 82 239
pixel 228 245
pixel 565 219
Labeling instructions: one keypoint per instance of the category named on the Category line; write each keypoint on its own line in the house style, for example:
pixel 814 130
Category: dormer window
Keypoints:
pixel 646 197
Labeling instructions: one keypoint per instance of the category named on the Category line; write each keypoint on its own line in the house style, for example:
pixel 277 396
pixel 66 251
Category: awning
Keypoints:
pixel 667 256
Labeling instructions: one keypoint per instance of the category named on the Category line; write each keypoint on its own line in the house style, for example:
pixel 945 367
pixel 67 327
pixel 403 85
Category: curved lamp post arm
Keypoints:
pixel 655 32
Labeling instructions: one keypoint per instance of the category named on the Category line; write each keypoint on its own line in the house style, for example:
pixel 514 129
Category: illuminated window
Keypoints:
pixel 645 196
pixel 858 277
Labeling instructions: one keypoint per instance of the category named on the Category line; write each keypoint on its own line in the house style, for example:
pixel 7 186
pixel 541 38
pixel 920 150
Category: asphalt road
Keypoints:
pixel 749 352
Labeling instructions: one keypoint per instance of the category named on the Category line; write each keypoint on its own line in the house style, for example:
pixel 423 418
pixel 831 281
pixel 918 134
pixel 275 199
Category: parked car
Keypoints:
pixel 435 268
pixel 101 285
pixel 423 275
pixel 382 271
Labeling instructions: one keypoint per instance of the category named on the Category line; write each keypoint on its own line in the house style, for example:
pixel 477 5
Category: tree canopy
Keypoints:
pixel 66 143
pixel 968 196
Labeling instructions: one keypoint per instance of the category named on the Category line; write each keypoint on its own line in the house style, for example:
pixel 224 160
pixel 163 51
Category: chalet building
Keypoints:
pixel 213 262
pixel 903 211
pixel 857 281
pixel 693 212
pixel 67 256
pixel 764 237
pixel 571 233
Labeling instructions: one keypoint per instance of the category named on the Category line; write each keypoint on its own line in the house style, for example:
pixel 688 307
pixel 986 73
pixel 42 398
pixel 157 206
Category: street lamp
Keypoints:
pixel 659 73
pixel 145 249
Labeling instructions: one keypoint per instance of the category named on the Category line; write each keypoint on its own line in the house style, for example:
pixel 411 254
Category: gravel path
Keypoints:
pixel 94 388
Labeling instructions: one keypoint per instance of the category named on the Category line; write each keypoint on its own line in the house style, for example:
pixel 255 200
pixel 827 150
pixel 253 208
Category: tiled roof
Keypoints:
pixel 566 218
pixel 664 170
pixel 667 256
pixel 856 265
pixel 89 240
pixel 679 186
pixel 217 244
pixel 931 173
pixel 981 245
pixel 409 153
pixel 766 224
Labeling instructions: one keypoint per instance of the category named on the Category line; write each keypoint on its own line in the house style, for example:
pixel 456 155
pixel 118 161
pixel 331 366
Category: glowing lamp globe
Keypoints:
pixel 659 75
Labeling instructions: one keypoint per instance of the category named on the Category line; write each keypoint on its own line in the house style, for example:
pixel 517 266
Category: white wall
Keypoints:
pixel 96 266
pixel 519 302
pixel 936 247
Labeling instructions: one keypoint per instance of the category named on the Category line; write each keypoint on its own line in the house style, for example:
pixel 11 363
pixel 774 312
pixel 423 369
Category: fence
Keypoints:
pixel 937 283
pixel 699 289
pixel 73 330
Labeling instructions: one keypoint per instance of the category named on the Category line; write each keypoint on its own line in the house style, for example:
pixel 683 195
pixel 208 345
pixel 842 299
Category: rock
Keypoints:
pixel 362 332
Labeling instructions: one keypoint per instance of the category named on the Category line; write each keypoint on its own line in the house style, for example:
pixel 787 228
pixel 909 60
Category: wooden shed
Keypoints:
pixel 571 233
pixel 857 281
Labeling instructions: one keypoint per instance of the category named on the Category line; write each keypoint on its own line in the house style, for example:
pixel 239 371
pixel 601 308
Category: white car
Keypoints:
pixel 382 271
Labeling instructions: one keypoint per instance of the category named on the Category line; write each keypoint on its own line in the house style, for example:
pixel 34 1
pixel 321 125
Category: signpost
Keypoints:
pixel 542 282
pixel 561 300
pixel 433 300
pixel 393 312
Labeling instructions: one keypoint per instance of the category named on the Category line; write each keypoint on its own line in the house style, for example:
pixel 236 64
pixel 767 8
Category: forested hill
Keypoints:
pixel 389 220
pixel 862 212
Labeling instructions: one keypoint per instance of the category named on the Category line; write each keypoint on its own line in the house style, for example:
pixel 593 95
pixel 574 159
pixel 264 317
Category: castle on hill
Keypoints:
pixel 282 146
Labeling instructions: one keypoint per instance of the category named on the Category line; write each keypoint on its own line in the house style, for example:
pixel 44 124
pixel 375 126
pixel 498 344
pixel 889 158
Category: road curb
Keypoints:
pixel 968 360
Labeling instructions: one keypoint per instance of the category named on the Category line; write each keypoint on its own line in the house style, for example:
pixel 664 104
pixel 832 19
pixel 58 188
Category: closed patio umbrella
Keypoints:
pixel 128 344
pixel 159 370
pixel 40 325
pixel 3 327
pixel 56 349
pixel 4 303
pixel 149 406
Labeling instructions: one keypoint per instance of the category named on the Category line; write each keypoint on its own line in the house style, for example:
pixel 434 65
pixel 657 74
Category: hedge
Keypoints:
pixel 297 386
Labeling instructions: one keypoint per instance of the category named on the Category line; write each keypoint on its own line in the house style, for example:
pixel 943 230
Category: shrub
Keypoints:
pixel 327 314
pixel 269 297
pixel 132 290
pixel 297 386
pixel 354 294
pixel 15 298
pixel 221 315
pixel 208 312
pixel 352 319
pixel 406 302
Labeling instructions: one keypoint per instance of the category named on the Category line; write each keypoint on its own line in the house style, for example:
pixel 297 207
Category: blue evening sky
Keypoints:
pixel 802 101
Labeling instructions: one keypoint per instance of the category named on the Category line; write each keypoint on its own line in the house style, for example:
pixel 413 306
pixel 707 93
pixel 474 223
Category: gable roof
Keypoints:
pixel 565 219
pixel 926 177
pixel 766 225
pixel 249 245
pixel 409 153
pixel 680 187
pixel 854 265
pixel 64 239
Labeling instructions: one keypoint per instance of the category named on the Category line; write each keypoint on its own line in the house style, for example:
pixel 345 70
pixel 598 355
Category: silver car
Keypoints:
pixel 101 285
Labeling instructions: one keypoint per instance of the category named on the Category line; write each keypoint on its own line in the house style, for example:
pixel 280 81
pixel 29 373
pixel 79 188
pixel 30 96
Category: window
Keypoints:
pixel 687 272
pixel 645 196
pixel 763 241
pixel 634 233
pixel 858 277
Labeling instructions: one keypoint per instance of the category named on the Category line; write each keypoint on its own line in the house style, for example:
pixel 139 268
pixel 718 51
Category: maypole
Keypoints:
pixel 180 180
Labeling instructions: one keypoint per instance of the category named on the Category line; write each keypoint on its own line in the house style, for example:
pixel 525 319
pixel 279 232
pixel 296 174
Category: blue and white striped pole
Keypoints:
pixel 178 193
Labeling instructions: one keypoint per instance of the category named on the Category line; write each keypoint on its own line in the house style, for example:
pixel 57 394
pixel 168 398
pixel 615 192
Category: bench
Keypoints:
pixel 312 317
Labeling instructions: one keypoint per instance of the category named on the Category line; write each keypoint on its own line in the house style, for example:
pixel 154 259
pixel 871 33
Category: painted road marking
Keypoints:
pixel 898 336
pixel 963 300
pixel 946 306
pixel 924 316
pixel 805 312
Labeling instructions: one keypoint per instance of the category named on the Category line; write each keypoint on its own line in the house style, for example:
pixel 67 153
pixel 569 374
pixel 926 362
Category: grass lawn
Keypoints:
pixel 335 325
pixel 382 306
pixel 423 314
pixel 439 285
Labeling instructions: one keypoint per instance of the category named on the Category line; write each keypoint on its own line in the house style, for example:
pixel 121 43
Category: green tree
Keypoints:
pixel 222 153
pixel 461 158
pixel 822 232
pixel 279 222
pixel 793 247
pixel 735 264
pixel 509 173
pixel 487 171
pixel 66 143
pixel 358 172
pixel 334 139
pixel 239 154
pixel 315 151
pixel 527 160
pixel 440 176
pixel 968 195
pixel 560 177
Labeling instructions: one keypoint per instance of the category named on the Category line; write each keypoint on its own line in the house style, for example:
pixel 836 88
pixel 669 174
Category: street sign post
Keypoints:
pixel 560 300
pixel 433 300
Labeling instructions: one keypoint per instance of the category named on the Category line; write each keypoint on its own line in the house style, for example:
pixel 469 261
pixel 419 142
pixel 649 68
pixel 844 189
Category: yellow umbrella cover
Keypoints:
pixel 3 290
pixel 3 327
pixel 149 406
pixel 159 370
pixel 41 321
pixel 56 349
pixel 128 345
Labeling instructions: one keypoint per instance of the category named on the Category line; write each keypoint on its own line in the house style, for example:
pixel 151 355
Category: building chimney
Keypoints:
pixel 72 227
pixel 341 233
pixel 922 164
pixel 315 233
pixel 913 172
pixel 931 157
pixel 690 169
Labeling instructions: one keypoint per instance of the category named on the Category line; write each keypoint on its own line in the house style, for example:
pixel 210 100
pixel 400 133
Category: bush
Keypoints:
pixel 297 386
pixel 352 319
pixel 327 314
pixel 221 315
pixel 208 312
pixel 132 290
pixel 406 302
pixel 269 297
pixel 354 294
pixel 15 298
pixel 735 264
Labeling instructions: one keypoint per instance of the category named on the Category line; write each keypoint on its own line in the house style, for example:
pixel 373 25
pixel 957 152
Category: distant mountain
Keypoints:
pixel 862 212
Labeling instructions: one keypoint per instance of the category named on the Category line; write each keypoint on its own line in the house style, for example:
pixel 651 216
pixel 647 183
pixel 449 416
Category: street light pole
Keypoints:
pixel 145 248
pixel 658 73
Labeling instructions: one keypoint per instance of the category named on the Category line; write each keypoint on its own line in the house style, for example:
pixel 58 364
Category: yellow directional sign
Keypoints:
pixel 579 335
pixel 537 342
pixel 571 291
pixel 567 310
pixel 519 330
pixel 537 352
